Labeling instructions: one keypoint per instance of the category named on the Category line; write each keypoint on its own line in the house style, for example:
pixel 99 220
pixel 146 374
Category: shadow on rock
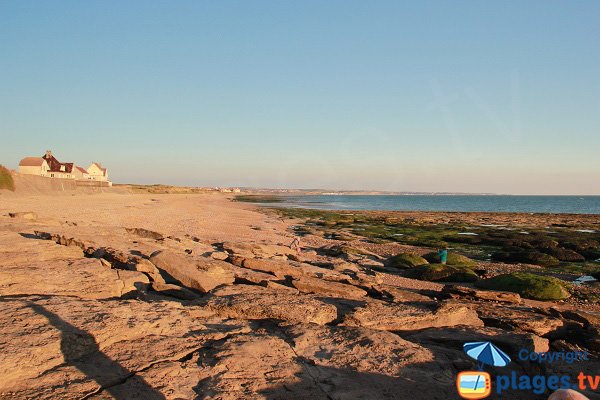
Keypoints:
pixel 81 351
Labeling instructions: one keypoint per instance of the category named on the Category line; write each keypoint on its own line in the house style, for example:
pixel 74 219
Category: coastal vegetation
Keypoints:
pixel 442 273
pixel 528 285
pixel 6 179
pixel 548 256
pixel 253 198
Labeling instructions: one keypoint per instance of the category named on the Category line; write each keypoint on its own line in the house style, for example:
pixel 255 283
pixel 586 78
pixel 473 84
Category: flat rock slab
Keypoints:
pixel 41 267
pixel 257 302
pixel 455 337
pixel 523 319
pixel 489 295
pixel 64 347
pixel 408 317
pixel 327 288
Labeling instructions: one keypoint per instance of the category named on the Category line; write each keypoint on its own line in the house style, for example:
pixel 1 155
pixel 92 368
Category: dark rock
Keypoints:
pixel 564 254
pixel 526 256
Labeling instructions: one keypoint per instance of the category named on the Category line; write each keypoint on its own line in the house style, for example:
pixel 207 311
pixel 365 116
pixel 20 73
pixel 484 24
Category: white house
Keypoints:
pixel 97 172
pixel 34 166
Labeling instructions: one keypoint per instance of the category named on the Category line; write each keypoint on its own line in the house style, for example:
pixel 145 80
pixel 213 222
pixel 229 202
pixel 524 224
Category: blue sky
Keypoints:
pixel 471 96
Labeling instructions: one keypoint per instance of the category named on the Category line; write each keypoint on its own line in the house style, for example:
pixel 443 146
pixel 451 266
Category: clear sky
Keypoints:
pixel 470 96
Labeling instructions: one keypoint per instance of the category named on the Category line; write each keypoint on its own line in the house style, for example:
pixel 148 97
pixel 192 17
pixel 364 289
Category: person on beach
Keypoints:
pixel 443 253
pixel 567 394
pixel 296 245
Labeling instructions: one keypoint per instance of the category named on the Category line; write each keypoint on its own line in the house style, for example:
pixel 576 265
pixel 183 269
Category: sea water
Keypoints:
pixel 485 203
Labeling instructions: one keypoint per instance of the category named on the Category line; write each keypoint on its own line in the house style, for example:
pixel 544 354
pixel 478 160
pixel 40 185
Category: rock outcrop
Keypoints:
pixel 202 274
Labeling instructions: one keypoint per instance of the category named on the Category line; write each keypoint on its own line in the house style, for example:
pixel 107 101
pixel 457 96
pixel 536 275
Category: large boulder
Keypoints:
pixel 528 285
pixel 562 254
pixel 307 284
pixel 200 273
pixel 406 317
pixel 257 302
pixel 442 273
pixel 452 259
pixel 406 260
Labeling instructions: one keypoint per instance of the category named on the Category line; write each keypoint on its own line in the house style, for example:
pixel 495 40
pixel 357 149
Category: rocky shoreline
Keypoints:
pixel 196 297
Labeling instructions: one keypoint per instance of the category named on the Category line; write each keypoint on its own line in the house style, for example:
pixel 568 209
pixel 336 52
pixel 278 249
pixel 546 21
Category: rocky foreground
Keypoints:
pixel 166 297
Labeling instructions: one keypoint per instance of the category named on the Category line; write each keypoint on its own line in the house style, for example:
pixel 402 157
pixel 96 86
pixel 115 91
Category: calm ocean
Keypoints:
pixel 529 204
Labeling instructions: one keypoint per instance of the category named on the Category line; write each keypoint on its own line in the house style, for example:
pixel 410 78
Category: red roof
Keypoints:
pixel 31 162
pixel 81 169
pixel 55 165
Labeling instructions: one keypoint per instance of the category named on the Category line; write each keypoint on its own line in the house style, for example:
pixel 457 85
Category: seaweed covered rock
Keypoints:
pixel 526 256
pixel 442 273
pixel 562 254
pixel 453 259
pixel 406 260
pixel 528 285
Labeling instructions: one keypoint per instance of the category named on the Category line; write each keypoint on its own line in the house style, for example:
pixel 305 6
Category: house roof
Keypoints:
pixel 31 162
pixel 55 165
pixel 81 169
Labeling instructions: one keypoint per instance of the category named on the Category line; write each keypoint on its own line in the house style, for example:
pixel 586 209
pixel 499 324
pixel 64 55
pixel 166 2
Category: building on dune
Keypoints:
pixel 34 166
pixel 48 166
pixel 97 172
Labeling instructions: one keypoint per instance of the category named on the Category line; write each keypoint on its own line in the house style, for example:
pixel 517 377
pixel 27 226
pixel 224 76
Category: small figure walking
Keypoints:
pixel 296 245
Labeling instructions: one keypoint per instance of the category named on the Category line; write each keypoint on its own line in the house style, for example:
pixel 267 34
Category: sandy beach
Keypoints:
pixel 117 295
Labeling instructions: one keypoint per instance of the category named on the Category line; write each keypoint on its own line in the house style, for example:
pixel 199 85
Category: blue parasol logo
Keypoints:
pixel 486 353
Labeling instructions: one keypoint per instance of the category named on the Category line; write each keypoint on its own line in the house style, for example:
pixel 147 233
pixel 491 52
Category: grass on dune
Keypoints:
pixel 6 179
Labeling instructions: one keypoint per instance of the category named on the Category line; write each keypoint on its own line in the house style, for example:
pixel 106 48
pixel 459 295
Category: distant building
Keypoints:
pixel 48 166
pixel 34 166
pixel 58 169
pixel 80 173
pixel 97 172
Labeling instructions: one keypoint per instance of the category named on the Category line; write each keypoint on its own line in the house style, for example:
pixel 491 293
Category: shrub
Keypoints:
pixel 452 259
pixel 406 260
pixel 442 273
pixel 6 179
pixel 528 285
